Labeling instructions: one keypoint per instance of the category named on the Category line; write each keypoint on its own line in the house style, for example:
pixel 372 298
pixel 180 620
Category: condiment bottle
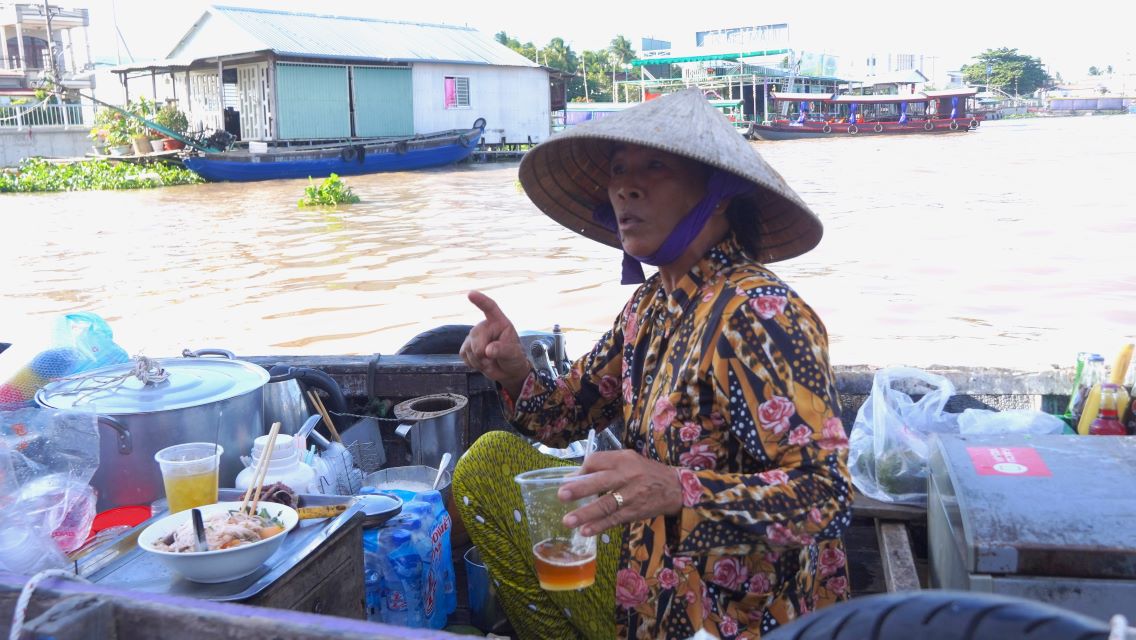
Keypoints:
pixel 1086 401
pixel 1107 422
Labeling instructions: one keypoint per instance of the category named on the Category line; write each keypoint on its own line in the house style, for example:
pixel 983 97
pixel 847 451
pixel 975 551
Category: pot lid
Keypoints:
pixel 192 382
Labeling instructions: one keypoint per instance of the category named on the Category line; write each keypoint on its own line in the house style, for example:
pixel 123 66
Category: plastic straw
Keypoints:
pixel 591 444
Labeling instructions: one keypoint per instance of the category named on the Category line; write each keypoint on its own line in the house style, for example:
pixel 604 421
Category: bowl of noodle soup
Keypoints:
pixel 238 543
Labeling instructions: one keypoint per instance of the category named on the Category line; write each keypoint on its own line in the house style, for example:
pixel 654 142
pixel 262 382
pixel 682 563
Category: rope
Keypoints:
pixel 24 113
pixel 25 598
pixel 147 370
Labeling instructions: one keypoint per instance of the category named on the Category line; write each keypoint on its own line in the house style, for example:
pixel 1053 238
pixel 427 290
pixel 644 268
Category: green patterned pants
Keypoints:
pixel 489 502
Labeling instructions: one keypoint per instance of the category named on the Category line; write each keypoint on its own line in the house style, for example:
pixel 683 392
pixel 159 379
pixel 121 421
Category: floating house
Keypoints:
pixel 283 77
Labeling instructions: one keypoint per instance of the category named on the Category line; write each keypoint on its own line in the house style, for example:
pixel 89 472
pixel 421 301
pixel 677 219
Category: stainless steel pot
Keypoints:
pixel 430 425
pixel 202 400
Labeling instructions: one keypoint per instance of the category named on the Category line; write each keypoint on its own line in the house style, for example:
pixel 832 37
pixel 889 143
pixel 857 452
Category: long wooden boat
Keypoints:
pixel 886 544
pixel 813 116
pixel 343 158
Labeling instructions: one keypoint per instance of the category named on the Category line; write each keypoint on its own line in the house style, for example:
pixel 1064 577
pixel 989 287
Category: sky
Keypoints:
pixel 1068 40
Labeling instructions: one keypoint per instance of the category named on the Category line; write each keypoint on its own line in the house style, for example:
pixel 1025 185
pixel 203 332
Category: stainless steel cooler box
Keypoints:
pixel 1050 518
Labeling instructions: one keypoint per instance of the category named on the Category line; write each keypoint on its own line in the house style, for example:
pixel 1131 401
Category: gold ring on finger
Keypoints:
pixel 618 500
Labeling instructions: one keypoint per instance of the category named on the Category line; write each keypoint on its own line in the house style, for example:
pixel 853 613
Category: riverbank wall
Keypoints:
pixel 49 142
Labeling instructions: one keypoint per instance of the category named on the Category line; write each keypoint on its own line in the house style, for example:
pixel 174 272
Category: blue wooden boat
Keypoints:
pixel 347 158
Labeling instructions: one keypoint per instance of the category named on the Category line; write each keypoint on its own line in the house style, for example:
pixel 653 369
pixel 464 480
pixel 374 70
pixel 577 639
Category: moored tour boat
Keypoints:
pixel 824 115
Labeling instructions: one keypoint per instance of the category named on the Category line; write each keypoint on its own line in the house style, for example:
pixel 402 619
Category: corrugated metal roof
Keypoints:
pixel 341 37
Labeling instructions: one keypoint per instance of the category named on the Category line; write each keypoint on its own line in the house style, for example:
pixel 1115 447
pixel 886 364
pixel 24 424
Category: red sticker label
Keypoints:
pixel 1008 461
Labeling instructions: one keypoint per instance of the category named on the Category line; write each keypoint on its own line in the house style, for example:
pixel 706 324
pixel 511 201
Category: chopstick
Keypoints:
pixel 261 470
pixel 326 416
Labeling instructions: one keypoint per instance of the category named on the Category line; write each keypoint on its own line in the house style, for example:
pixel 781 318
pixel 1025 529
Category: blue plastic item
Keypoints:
pixel 441 552
pixel 402 576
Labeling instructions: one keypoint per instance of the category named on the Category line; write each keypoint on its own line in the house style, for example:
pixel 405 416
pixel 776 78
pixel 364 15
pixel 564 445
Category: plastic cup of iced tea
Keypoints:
pixel 564 559
pixel 189 473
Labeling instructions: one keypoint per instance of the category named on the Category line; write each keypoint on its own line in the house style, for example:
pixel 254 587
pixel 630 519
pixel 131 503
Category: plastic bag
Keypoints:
pixel 80 342
pixel 981 421
pixel 891 438
pixel 47 458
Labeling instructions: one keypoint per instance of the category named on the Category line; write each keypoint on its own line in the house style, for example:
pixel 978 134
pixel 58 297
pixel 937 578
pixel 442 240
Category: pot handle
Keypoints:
pixel 189 353
pixel 125 441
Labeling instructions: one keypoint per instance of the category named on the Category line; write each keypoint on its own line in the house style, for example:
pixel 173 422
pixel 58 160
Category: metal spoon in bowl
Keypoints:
pixel 445 462
pixel 199 530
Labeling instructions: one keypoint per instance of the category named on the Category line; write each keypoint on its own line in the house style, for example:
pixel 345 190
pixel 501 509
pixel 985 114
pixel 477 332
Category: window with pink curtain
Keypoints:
pixel 451 93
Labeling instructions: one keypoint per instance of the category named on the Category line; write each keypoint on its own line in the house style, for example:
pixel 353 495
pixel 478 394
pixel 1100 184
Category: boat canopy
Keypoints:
pixel 795 97
pixel 881 99
pixel 949 93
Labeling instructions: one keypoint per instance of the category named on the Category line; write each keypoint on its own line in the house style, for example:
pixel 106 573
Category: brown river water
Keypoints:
pixel 1013 245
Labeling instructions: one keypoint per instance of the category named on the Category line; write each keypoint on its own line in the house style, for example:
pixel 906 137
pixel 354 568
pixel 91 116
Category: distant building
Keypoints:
pixel 38 44
pixel 26 48
pixel 275 75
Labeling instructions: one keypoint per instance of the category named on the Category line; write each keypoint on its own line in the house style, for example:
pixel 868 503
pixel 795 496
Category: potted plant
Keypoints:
pixel 172 119
pixel 118 142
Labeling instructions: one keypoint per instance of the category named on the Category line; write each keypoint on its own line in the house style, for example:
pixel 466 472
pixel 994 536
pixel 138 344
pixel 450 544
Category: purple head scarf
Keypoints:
pixel 720 186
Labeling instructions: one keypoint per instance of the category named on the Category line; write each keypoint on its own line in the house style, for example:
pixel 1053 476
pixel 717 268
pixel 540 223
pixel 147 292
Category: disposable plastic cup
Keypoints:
pixel 564 559
pixel 189 473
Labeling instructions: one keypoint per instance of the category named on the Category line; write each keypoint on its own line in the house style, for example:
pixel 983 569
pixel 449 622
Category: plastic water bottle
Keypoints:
pixel 441 551
pixel 434 577
pixel 402 579
pixel 373 575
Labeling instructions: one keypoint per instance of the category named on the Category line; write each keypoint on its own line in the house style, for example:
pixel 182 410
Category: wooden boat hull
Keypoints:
pixel 817 130
pixel 344 159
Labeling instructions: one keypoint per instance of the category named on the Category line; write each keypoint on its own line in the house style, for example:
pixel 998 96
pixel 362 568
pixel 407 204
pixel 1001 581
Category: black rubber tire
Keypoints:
pixel 853 129
pixel 401 147
pixel 942 615
pixel 954 125
pixel 927 126
pixel 348 154
pixel 479 123
pixel 974 123
pixel 445 339
pixel 827 128
pixel 879 128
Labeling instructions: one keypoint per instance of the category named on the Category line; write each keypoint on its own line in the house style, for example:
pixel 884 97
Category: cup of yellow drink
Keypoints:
pixel 189 473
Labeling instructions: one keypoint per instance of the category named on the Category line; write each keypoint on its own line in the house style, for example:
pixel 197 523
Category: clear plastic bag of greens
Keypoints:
pixel 891 438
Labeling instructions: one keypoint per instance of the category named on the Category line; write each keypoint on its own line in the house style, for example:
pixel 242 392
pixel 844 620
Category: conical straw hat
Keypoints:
pixel 567 176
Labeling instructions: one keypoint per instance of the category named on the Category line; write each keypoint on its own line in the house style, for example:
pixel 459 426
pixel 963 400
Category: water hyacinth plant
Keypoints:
pixel 37 174
pixel 331 192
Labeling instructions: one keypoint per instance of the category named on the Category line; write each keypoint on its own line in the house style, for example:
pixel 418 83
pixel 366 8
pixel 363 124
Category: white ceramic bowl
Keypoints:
pixel 222 565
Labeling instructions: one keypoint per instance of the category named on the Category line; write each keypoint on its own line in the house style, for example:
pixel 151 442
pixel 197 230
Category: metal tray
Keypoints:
pixel 121 563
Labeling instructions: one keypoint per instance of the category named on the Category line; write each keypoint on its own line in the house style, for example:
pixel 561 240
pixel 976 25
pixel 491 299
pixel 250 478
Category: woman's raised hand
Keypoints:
pixel 493 347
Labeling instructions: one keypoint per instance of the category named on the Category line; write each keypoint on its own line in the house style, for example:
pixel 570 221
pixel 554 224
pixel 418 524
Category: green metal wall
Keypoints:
pixel 312 101
pixel 384 104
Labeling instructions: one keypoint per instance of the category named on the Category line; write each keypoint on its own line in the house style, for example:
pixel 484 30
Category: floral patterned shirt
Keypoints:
pixel 727 379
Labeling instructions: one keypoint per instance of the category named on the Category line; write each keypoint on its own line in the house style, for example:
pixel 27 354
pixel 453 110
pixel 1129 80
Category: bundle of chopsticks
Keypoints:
pixel 261 471
pixel 318 404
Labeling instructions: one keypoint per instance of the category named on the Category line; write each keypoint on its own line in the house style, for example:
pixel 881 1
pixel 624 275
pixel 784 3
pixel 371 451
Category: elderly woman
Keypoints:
pixel 724 510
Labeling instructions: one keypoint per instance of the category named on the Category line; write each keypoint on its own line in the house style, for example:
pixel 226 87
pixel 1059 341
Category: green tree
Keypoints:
pixel 527 49
pixel 558 55
pixel 597 64
pixel 1009 70
pixel 621 50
